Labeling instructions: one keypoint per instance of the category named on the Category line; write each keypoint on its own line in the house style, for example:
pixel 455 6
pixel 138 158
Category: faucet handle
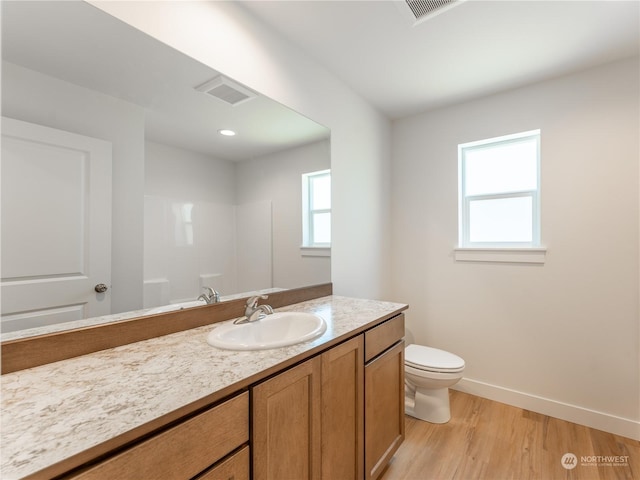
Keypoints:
pixel 210 295
pixel 208 290
pixel 253 301
pixel 213 295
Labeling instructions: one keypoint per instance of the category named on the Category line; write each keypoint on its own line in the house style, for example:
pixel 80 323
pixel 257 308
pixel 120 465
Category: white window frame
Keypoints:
pixel 513 252
pixel 309 247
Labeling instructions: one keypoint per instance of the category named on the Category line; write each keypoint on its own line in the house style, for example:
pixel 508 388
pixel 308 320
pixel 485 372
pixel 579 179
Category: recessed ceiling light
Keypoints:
pixel 226 133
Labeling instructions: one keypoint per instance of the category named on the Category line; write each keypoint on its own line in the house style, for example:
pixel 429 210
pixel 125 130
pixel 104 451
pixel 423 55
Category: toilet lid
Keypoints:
pixel 432 359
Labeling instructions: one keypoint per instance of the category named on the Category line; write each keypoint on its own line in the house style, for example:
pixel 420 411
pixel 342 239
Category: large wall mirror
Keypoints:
pixel 115 175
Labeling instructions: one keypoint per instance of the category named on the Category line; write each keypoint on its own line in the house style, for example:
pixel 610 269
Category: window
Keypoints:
pixel 316 209
pixel 499 184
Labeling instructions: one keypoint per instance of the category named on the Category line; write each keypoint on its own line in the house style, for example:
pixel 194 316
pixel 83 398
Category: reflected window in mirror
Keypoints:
pixel 183 214
pixel 316 210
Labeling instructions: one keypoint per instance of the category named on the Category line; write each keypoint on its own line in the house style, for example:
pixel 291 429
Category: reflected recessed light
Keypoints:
pixel 227 133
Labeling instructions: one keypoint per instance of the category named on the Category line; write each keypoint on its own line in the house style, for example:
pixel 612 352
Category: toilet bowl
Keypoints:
pixel 429 373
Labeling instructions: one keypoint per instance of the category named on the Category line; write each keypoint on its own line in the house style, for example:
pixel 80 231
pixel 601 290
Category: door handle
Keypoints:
pixel 101 288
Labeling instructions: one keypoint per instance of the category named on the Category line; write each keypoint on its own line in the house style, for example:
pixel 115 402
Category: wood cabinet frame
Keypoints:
pixel 315 413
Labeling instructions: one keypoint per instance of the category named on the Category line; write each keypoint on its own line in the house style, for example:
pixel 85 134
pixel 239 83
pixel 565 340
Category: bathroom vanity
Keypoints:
pixel 172 406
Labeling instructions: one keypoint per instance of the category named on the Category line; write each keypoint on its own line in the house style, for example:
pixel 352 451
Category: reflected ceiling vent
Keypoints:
pixel 226 90
pixel 417 11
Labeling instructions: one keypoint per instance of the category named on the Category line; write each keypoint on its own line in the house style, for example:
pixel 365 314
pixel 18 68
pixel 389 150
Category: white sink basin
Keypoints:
pixel 279 329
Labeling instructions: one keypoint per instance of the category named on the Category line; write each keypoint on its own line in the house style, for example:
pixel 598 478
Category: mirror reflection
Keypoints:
pixel 115 174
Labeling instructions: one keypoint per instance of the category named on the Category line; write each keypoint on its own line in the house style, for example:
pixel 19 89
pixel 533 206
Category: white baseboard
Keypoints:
pixel 571 413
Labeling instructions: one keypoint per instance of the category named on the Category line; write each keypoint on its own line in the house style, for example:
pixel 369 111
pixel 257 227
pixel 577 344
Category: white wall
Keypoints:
pixel 179 173
pixel 280 182
pixel 561 338
pixel 227 38
pixel 30 96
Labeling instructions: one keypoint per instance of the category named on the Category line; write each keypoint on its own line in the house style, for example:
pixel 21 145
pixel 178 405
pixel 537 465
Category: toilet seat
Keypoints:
pixel 430 359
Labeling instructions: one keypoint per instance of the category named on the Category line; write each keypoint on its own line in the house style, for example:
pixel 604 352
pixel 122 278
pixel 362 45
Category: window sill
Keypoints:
pixel 315 251
pixel 501 255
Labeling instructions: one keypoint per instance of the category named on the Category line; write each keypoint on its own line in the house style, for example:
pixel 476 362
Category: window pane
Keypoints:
pixel 502 168
pixel 501 220
pixel 321 192
pixel 321 228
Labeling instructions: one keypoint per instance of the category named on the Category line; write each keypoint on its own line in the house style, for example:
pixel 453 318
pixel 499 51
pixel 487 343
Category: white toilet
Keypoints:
pixel 429 373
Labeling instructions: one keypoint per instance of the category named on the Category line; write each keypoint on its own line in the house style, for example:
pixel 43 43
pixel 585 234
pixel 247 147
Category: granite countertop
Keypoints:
pixel 52 412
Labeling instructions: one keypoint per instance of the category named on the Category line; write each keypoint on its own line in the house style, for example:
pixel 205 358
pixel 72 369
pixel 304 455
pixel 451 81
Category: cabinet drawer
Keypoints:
pixel 235 467
pixel 379 338
pixel 184 450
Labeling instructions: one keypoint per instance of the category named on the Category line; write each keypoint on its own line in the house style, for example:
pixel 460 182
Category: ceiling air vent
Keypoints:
pixel 420 10
pixel 226 90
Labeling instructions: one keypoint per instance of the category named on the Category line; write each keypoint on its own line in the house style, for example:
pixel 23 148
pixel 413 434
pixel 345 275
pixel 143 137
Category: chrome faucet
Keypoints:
pixel 210 295
pixel 253 311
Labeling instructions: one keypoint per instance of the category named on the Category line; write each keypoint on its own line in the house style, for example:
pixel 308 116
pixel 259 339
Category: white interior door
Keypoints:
pixel 55 225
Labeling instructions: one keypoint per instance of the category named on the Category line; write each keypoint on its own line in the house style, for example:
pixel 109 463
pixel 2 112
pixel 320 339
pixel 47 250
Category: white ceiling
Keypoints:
pixel 477 48
pixel 474 49
pixel 77 43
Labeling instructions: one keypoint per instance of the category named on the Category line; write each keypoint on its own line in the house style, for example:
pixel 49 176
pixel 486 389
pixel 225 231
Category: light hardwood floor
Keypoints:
pixel 487 440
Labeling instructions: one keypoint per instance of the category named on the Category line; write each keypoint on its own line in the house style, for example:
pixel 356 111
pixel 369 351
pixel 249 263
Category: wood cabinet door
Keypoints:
pixel 343 411
pixel 286 424
pixel 384 409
